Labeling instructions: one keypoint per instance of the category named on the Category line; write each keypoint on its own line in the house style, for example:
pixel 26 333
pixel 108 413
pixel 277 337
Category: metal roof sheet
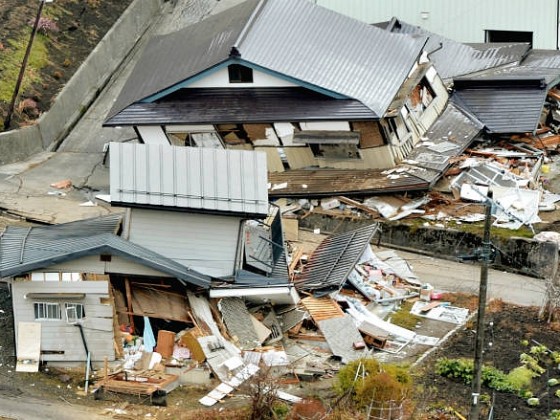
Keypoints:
pixel 504 108
pixel 23 250
pixel 292 38
pixel 520 75
pixel 334 259
pixel 454 59
pixel 543 58
pixel 169 59
pixel 453 129
pixel 247 105
pixel 198 179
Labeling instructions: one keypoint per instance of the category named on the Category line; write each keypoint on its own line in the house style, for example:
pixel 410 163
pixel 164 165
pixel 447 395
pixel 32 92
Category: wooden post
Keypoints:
pixel 129 304
pixel 105 367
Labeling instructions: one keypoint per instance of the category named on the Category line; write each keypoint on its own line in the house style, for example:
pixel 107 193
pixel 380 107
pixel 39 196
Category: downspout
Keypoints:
pixel 85 343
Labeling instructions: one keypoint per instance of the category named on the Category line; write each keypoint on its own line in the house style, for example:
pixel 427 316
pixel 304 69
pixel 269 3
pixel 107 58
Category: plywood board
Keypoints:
pixel 322 308
pixel 370 133
pixel 273 160
pixel 28 346
pixel 299 157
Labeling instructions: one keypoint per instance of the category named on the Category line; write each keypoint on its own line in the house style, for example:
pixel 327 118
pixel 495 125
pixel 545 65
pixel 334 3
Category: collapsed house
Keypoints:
pixel 326 114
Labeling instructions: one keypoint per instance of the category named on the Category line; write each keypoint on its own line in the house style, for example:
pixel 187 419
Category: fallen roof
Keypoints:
pixel 334 259
pixel 452 58
pixel 293 39
pixel 23 250
pixel 247 105
pixel 507 105
pixel 542 58
pixel 189 178
pixel 328 182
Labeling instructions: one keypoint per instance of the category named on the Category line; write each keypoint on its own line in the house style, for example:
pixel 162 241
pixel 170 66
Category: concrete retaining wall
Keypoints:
pixel 83 87
pixel 520 255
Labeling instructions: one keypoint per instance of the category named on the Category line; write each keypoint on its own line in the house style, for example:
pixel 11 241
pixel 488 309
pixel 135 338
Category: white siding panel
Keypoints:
pixel 61 336
pixel 117 265
pixel 153 134
pixel 205 243
pixel 220 78
pixel 461 20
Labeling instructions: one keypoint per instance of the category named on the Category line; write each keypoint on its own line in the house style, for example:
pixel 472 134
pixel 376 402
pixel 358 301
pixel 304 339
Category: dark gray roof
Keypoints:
pixel 543 58
pixel 449 136
pixel 517 74
pixel 296 39
pixel 247 105
pixel 503 106
pixel 23 250
pixel 334 259
pixel 172 58
pixel 456 59
pixel 189 178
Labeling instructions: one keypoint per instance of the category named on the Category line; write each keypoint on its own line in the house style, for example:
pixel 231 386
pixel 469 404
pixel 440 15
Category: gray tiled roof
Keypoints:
pixel 23 250
pixel 292 38
pixel 199 179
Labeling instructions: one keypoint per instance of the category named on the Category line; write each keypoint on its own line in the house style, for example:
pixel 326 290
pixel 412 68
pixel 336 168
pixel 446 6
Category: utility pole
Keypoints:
pixel 479 348
pixel 12 105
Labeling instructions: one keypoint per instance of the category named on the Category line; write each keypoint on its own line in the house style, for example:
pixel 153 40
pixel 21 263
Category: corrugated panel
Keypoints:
pixel 331 51
pixel 204 243
pixel 238 321
pixel 247 105
pixel 454 59
pixel 341 334
pixel 23 250
pixel 172 58
pixel 504 109
pixel 227 181
pixel 543 58
pixel 334 259
pixel 453 127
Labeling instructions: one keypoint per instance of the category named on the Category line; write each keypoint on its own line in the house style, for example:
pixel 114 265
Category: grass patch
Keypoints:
pixel 11 59
pixel 403 317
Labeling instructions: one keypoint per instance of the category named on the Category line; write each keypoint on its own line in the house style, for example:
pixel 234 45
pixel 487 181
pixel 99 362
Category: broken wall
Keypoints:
pixel 521 255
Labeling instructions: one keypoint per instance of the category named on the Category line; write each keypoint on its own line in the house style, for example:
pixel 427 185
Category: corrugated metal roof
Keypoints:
pixel 170 59
pixel 199 179
pixel 293 38
pixel 543 58
pixel 334 259
pixel 247 105
pixel 23 250
pixel 332 51
pixel 455 59
pixel 503 106
pixel 518 74
pixel 453 131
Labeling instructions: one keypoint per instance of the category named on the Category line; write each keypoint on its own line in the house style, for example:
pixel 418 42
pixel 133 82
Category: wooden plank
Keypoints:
pixel 322 308
pixel 358 205
pixel 129 303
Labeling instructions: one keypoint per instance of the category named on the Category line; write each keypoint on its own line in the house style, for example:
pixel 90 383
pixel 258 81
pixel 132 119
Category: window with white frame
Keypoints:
pixel 74 312
pixel 55 276
pixel 46 311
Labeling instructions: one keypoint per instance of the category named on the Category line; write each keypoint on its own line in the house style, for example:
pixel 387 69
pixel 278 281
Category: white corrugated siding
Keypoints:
pixel 461 20
pixel 205 243
pixel 60 336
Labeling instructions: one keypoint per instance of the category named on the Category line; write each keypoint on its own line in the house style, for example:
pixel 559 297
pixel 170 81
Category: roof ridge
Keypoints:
pixel 234 52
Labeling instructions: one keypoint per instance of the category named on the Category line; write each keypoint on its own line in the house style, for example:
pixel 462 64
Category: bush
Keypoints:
pixel 368 381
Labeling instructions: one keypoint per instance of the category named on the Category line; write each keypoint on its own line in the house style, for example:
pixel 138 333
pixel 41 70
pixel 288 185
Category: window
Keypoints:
pixel 47 311
pixel 421 97
pixel 508 36
pixel 74 312
pixel 240 74
pixel 43 276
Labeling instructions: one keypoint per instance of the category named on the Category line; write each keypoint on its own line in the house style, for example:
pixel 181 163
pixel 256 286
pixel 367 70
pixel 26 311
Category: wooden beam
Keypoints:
pixel 129 303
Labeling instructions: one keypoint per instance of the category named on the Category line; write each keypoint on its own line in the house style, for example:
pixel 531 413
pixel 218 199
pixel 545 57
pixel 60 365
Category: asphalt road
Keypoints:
pixel 26 408
pixel 463 277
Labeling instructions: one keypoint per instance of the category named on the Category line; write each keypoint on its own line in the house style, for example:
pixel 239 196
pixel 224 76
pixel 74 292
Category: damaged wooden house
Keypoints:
pixel 333 102
pixel 195 220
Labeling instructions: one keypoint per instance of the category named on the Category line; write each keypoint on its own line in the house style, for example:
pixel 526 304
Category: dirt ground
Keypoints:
pixel 81 24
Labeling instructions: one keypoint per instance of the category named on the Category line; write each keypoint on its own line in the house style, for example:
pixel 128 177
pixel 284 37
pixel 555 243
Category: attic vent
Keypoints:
pixel 105 258
pixel 240 74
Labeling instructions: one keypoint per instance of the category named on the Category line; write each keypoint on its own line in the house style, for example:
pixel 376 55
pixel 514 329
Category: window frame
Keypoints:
pixel 42 308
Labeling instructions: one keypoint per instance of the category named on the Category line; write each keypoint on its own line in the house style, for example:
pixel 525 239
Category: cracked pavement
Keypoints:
pixel 25 187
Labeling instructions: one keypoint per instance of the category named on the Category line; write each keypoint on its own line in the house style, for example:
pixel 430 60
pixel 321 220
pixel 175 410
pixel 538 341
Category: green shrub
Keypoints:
pixel 520 377
pixel 554 415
